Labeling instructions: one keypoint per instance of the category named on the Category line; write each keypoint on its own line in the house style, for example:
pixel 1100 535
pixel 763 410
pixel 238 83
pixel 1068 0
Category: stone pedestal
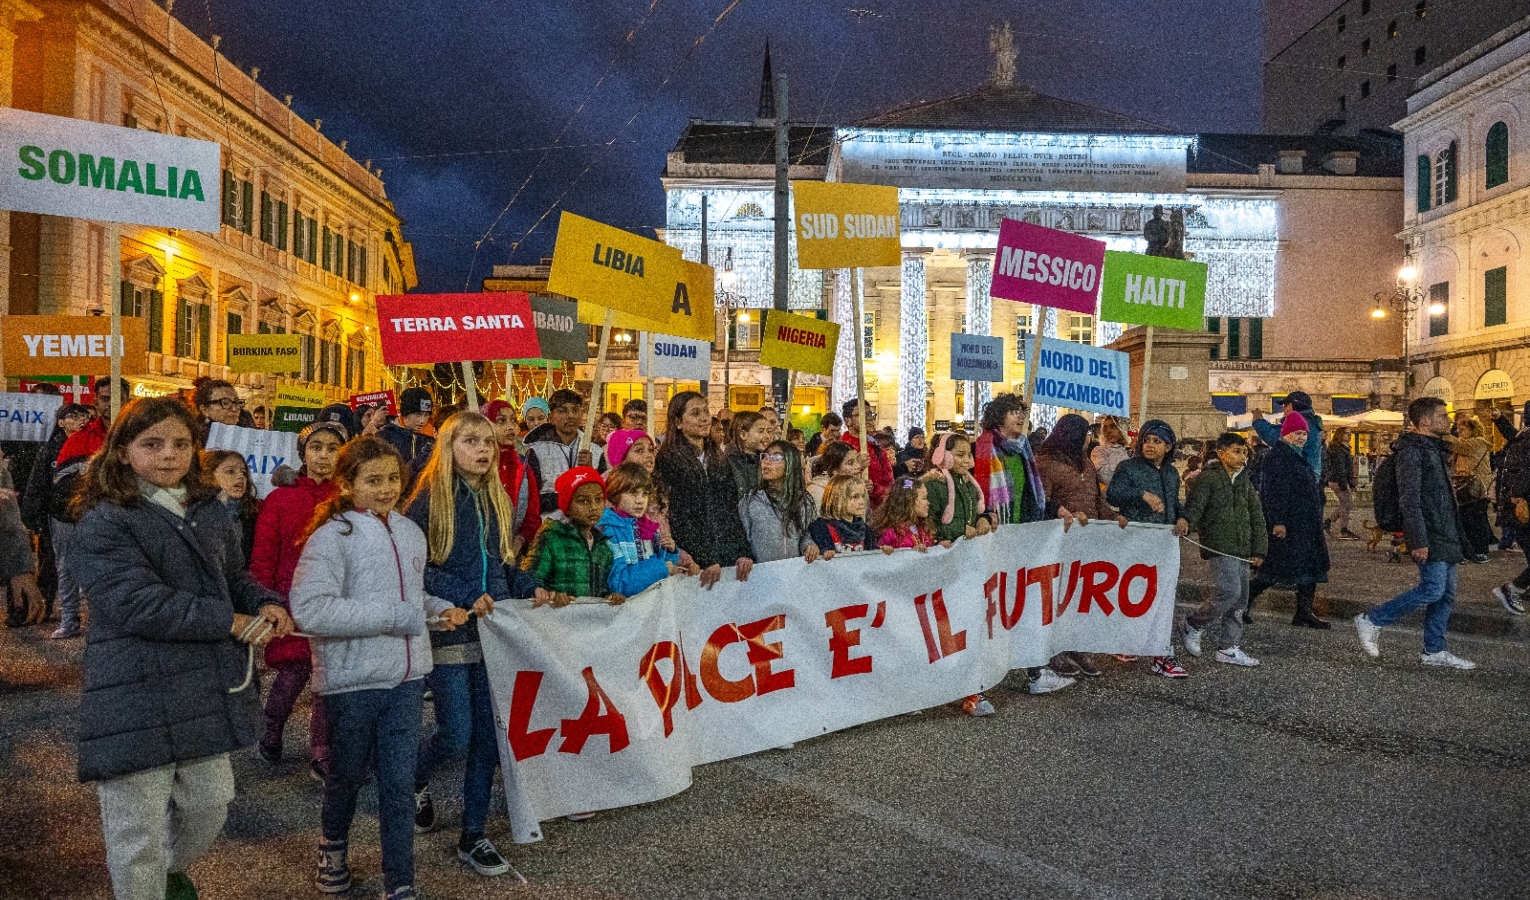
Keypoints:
pixel 1179 391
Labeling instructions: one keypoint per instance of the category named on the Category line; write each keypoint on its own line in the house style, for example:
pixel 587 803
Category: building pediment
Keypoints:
pixel 145 269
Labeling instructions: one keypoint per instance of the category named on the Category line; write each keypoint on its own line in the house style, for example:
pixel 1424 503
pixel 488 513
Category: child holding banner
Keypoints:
pixel 366 617
pixel 842 525
pixel 903 521
pixel 956 501
pixel 571 557
pixel 642 554
pixel 778 511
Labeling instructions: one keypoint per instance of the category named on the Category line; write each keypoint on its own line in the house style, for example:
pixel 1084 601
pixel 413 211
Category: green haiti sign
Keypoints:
pixel 72 167
pixel 1152 290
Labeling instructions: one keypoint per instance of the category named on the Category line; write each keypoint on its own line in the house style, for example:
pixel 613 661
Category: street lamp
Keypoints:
pixel 730 300
pixel 1407 297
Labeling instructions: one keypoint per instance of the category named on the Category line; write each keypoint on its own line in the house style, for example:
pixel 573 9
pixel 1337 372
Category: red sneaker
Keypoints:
pixel 1168 667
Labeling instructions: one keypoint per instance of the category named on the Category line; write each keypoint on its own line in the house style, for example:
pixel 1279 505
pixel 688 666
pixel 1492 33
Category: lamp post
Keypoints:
pixel 1407 297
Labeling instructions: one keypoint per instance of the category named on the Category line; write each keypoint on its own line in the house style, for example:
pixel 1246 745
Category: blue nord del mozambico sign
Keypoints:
pixel 70 167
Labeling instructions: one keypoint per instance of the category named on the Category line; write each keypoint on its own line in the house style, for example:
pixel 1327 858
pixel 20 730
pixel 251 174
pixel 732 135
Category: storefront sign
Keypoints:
pixel 416 329
pixel 671 357
pixel 1078 376
pixel 73 167
pixel 263 451
pixel 977 358
pixel 27 417
pixel 692 308
pixel 613 269
pixel 1440 388
pixel 1495 384
pixel 842 226
pixel 1047 267
pixel 1151 290
pixel 72 345
pixel 275 353
pixel 800 343
pixel 374 398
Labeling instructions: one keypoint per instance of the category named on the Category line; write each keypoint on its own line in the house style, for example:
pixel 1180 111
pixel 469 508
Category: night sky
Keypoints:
pixel 457 100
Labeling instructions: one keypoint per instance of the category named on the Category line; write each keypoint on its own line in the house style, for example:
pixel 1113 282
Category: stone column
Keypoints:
pixel 12 14
pixel 979 321
pixel 913 344
pixel 842 311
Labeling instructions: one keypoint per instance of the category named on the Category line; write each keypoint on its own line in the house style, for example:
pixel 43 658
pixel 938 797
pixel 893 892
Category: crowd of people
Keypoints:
pixel 362 576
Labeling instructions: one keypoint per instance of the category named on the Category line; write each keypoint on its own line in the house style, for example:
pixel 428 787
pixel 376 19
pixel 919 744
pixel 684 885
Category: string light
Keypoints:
pixel 913 346
pixel 979 321
pixel 850 336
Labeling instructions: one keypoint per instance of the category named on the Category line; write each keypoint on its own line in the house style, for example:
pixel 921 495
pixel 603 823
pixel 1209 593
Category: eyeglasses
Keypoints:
pixel 227 403
pixel 773 457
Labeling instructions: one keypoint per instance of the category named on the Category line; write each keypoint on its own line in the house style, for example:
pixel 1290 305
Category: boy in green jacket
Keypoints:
pixel 1224 512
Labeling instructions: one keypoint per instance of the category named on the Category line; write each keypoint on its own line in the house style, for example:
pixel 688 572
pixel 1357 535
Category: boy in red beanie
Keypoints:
pixel 570 556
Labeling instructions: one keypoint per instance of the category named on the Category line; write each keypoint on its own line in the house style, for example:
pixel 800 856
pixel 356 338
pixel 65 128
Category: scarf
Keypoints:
pixel 1007 469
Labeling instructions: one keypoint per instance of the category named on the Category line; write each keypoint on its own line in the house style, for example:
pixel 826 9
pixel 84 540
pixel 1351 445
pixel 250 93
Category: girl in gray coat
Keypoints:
pixel 168 691
pixel 778 511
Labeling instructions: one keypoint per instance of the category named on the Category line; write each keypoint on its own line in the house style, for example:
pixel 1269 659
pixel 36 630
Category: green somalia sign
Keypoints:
pixel 1152 290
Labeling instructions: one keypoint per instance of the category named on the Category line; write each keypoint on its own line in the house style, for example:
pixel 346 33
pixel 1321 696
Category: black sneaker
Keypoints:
pixel 424 811
pixel 479 852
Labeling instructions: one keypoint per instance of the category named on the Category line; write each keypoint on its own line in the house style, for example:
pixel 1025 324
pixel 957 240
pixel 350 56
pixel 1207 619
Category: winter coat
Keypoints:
pixel 415 447
pixel 1311 452
pixel 1071 488
pixel 159 659
pixel 1338 466
pixel 906 537
pixel 1106 457
pixel 1225 513
pixel 703 508
pixel 878 471
pixel 73 456
pixel 525 496
pixel 636 564
pixel 549 457
pixel 1426 498
pixel 763 527
pixel 362 597
pixel 746 470
pixel 284 516
pixel 16 556
pixel 1136 477
pixel 37 499
pixel 965 513
pixel 909 463
pixel 1291 497
pixel 840 536
pixel 473 567
pixel 1516 471
pixel 560 559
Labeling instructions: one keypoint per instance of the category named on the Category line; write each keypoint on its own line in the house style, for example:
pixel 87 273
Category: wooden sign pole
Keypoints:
pixel 600 374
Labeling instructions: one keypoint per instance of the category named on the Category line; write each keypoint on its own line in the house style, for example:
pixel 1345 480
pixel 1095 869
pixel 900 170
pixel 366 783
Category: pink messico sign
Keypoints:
pixel 1047 267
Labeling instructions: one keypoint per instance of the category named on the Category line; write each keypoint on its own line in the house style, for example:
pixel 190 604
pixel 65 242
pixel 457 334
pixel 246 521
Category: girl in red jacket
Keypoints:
pixel 279 529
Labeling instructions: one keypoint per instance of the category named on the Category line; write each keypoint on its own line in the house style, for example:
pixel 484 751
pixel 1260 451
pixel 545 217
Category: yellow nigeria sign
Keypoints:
pixel 802 343
pixel 299 397
pixel 274 353
pixel 614 269
pixel 844 226
pixel 691 312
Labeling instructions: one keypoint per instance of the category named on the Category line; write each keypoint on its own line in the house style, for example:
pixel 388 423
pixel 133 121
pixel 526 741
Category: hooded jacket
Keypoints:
pixel 549 457
pixel 840 536
pixel 1136 477
pixel 636 564
pixel 560 559
pixel 279 526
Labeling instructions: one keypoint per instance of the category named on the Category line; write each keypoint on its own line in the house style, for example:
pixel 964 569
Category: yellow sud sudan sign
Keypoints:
pixel 614 269
pixel 844 226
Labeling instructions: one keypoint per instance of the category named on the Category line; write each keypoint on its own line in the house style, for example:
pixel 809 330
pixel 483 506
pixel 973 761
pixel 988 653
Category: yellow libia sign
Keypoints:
pixel 613 269
pixel 273 353
pixel 846 226
pixel 690 313
pixel 801 343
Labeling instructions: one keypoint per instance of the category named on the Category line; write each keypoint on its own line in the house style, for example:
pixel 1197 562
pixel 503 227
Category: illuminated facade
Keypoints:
pixel 308 238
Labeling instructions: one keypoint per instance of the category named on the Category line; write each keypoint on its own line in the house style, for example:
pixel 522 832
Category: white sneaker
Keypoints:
pixel 1369 634
pixel 1233 656
pixel 1047 681
pixel 1511 599
pixel 1191 638
pixel 1449 660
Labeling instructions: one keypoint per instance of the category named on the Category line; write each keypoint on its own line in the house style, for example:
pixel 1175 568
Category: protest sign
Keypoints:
pixel 290 395
pixel 663 356
pixel 1079 376
pixel 414 329
pixel 692 309
pixel 602 706
pixel 843 226
pixel 800 343
pixel 74 388
pixel 1047 267
pixel 1152 290
pixel 27 417
pixel 375 397
pixel 74 167
pixel 560 333
pixel 977 358
pixel 274 353
pixel 295 408
pixel 614 269
pixel 72 345
pixel 263 451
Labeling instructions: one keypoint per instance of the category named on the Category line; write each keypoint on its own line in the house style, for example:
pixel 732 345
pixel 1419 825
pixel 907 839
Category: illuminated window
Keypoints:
pixel 1081 328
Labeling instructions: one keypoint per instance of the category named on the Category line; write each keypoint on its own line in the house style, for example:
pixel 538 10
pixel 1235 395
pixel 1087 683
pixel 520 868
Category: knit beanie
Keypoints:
pixel 570 481
pixel 620 442
pixel 1157 428
pixel 535 403
pixel 493 408
pixel 1292 423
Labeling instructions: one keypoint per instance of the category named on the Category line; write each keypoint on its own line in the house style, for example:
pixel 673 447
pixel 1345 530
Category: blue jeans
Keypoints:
pixel 381 727
pixel 1436 592
pixel 68 590
pixel 464 727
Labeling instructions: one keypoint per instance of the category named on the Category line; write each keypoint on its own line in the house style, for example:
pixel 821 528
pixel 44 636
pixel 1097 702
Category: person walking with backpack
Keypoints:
pixel 1514 508
pixel 1418 488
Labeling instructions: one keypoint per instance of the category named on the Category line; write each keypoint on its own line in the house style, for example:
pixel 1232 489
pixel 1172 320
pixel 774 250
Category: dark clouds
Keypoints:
pixel 422 86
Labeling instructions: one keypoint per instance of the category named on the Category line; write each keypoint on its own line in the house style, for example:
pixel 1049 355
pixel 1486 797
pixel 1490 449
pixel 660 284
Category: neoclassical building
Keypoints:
pixel 1467 223
pixel 308 236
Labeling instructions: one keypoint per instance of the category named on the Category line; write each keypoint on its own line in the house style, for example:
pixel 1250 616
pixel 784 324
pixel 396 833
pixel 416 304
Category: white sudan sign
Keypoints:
pixel 73 167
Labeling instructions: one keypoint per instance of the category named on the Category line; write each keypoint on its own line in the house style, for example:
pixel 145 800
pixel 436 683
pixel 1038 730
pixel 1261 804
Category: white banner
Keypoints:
pixel 663 356
pixel 263 451
pixel 74 167
pixel 27 417
pixel 599 707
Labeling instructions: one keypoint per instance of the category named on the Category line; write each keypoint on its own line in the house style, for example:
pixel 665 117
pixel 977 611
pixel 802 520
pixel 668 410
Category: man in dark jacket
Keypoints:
pixel 414 406
pixel 1514 507
pixel 1432 531
pixel 1339 475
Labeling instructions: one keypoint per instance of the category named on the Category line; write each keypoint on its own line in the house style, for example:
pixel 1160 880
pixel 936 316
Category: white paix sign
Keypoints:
pixel 598 707
pixel 675 357
pixel 27 417
pixel 74 167
pixel 999 161
pixel 263 451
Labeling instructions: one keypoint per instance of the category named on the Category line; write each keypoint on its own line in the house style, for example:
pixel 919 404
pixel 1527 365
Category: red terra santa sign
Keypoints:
pixel 416 329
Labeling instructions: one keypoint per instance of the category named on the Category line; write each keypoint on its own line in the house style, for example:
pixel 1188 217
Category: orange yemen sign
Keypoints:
pixel 72 345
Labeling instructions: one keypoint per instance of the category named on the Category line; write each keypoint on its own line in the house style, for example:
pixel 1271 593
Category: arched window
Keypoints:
pixel 1497 154
pixel 1445 175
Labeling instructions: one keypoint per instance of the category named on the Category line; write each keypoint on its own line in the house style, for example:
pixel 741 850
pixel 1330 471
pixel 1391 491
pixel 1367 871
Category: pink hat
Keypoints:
pixel 1292 423
pixel 619 442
